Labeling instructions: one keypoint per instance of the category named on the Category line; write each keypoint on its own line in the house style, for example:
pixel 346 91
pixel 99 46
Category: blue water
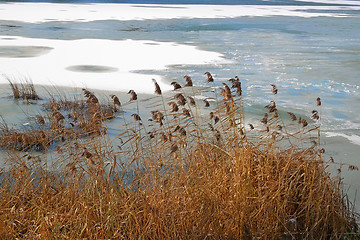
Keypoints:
pixel 305 57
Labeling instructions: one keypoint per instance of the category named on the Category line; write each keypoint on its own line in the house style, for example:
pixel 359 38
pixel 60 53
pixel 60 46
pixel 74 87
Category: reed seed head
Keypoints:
pixel 174 107
pixel 58 116
pixel 186 112
pixel 164 137
pixel 181 99
pixel 192 101
pixel 318 101
pixel 92 100
pixel 274 89
pixel 217 135
pixel 264 120
pixel 353 168
pixel 40 119
pixel 207 104
pixel 209 77
pixel 226 92
pixel 292 116
pixel 133 95
pixel 157 116
pixel 236 84
pixel 188 80
pixel 303 122
pixel 87 154
pixel 116 100
pixel 157 87
pixel 315 115
pixel 212 115
pixel 180 129
pixel 174 147
pixel 176 86
pixel 87 93
pixel 136 117
pixel 228 106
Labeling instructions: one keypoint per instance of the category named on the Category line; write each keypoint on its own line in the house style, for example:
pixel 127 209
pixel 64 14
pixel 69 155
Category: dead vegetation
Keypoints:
pixel 24 90
pixel 176 172
pixel 61 120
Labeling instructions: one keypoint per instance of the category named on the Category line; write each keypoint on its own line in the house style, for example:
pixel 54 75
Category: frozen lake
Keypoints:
pixel 309 49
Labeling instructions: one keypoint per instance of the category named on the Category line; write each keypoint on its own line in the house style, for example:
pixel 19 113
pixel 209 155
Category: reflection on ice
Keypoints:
pixel 91 68
pixel 23 51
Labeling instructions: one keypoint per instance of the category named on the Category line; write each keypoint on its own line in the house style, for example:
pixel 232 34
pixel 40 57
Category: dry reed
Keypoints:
pixel 24 90
pixel 179 176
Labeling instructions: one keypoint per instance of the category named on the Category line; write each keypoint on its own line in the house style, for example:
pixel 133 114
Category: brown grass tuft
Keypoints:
pixel 24 90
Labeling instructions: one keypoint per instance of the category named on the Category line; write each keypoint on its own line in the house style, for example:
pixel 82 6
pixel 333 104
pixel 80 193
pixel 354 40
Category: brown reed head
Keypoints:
pixel 318 101
pixel 226 92
pixel 274 88
pixel 58 116
pixel 116 100
pixel 176 86
pixel 192 101
pixel 186 112
pixel 209 77
pixel 133 95
pixel 136 117
pixel 237 85
pixel 292 116
pixel 181 100
pixel 188 80
pixel 157 87
pixel 158 117
pixel 174 107
pixel 206 102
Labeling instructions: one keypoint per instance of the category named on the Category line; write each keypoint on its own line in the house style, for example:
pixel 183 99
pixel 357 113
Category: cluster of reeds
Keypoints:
pixel 61 120
pixel 24 90
pixel 188 168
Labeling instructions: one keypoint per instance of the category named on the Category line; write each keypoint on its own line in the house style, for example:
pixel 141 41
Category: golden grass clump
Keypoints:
pixel 62 120
pixel 177 171
pixel 24 90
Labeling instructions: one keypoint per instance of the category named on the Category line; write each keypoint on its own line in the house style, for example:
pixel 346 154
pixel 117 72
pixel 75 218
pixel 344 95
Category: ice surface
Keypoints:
pixel 97 63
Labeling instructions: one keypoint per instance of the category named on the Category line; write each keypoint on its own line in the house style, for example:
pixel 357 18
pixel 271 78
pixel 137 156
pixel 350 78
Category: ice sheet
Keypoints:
pixel 341 2
pixel 45 12
pixel 355 139
pixel 95 63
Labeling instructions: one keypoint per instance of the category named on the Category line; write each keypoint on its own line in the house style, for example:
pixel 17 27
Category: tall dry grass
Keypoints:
pixel 186 168
pixel 23 90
